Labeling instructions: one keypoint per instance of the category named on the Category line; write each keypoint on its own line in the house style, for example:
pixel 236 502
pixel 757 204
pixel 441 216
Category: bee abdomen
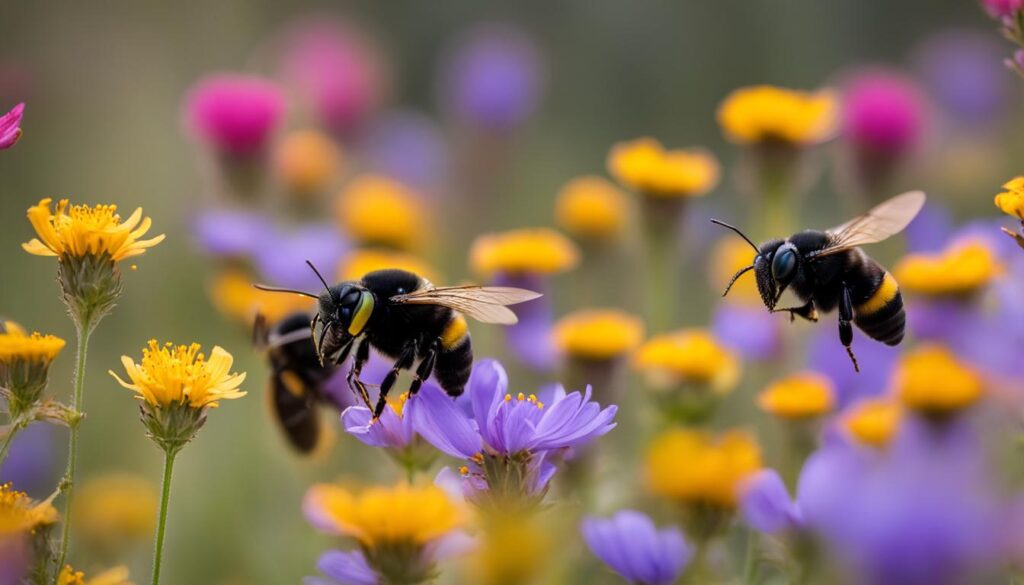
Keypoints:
pixel 882 316
pixel 455 360
pixel 295 410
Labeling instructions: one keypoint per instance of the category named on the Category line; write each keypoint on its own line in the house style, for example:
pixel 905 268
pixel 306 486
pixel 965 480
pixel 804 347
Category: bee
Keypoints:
pixel 405 318
pixel 297 378
pixel 827 269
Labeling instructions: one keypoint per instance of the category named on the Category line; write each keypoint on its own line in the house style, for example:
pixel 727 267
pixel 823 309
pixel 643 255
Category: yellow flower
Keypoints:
pixel 598 334
pixel 382 516
pixel 730 254
pixel 591 208
pixel 931 380
pixel 376 210
pixel 16 346
pixel 1011 201
pixel 308 160
pixel 234 295
pixel 693 467
pixel 688 356
pixel 645 166
pixel 19 514
pixel 359 262
pixel 959 271
pixel 115 576
pixel 873 421
pixel 765 114
pixel 802 395
pixel 514 548
pixel 181 375
pixel 81 230
pixel 115 508
pixel 523 251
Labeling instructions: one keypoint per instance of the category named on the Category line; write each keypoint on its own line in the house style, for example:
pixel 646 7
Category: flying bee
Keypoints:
pixel 406 318
pixel 827 269
pixel 297 378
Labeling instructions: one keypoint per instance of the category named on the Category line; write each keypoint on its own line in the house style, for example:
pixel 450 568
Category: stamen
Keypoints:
pixel 520 397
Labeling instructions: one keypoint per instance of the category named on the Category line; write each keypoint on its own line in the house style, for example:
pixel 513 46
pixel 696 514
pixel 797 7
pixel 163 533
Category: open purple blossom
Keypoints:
pixel 409 147
pixel 633 547
pixel 963 72
pixel 232 233
pixel 751 331
pixel 766 505
pixel 529 339
pixel 10 126
pixel 236 114
pixel 281 258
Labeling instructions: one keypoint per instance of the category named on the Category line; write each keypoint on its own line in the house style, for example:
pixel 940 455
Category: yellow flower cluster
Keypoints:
pixel 1011 201
pixel 81 230
pixel 645 166
pixel 234 295
pixel 376 210
pixel 384 515
pixel 931 380
pixel 115 576
pixel 20 515
pixel 359 262
pixel 591 208
pixel 958 271
pixel 523 251
pixel 308 160
pixel 769 114
pixel 802 395
pixel 16 345
pixel 598 334
pixel 181 375
pixel 688 356
pixel 873 421
pixel 694 467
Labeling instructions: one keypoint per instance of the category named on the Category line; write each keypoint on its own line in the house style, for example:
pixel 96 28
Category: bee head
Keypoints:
pixel 347 308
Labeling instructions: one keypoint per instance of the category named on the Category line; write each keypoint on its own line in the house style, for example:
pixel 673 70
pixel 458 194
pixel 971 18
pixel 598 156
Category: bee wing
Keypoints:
pixel 883 221
pixel 487 304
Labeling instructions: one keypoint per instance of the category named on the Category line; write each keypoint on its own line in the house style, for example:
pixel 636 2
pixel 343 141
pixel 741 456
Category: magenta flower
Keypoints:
pixel 883 112
pixel 235 114
pixel 1002 8
pixel 629 543
pixel 10 126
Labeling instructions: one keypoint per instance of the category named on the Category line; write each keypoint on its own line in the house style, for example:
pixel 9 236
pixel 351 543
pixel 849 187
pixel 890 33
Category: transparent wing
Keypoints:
pixel 487 304
pixel 882 222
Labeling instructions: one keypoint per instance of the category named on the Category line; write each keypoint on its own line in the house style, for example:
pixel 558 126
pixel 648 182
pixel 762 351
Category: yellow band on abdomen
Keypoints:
pixel 454 332
pixel 886 292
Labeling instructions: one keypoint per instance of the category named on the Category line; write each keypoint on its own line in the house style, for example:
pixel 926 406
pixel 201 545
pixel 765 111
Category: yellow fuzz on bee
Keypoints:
pixel 16 346
pixel 523 251
pixel 115 576
pixel 308 161
pixel 874 421
pixel 115 508
pixel 81 230
pixel 1011 201
pixel 233 294
pixel 592 208
pixel 376 210
pixel 801 395
pixel 380 516
pixel 181 374
pixel 767 114
pixel 931 380
pixel 645 166
pixel 694 467
pixel 688 356
pixel 598 334
pixel 19 514
pixel 358 263
pixel 959 271
pixel 731 254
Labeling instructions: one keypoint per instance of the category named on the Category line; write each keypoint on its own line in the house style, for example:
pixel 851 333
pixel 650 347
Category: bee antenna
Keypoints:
pixel 736 276
pixel 318 275
pixel 737 230
pixel 284 290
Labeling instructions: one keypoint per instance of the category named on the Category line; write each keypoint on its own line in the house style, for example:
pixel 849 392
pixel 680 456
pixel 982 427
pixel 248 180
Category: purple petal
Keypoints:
pixel 390 430
pixel 753 332
pixel 347 568
pixel 232 233
pixel 631 546
pixel 487 385
pixel 766 505
pixel 441 423
pixel 453 544
pixel 282 259
pixel 573 421
pixel 410 147
pixel 10 126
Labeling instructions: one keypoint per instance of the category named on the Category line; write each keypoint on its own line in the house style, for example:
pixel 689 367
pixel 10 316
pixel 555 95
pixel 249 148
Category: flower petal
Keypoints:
pixel 442 424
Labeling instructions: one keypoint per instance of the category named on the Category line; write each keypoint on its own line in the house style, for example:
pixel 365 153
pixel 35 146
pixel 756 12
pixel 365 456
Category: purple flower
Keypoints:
pixel 930 230
pixel 883 112
pixel 751 331
pixel 232 234
pixel 877 360
pixel 1002 8
pixel 10 126
pixel 492 79
pixel 236 114
pixel 343 568
pixel 629 543
pixel 410 147
pixel 15 558
pixel 963 71
pixel 530 339
pixel 281 258
pixel 766 505
pixel 31 464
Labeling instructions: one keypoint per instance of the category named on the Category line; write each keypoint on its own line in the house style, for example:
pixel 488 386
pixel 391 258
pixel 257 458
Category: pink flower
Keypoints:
pixel 10 127
pixel 884 111
pixel 1002 8
pixel 236 114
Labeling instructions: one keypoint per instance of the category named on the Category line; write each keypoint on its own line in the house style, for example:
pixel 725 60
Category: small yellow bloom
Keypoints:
pixel 514 548
pixel 181 375
pixel 802 395
pixel 591 208
pixel 693 467
pixel 358 263
pixel 382 516
pixel 598 334
pixel 308 160
pixel 873 421
pixel 688 356
pixel 958 271
pixel 523 251
pixel 16 346
pixel 931 380
pixel 1011 201
pixel 376 210
pixel 115 576
pixel 765 114
pixel 730 254
pixel 234 295
pixel 19 514
pixel 645 166
pixel 81 230
pixel 115 508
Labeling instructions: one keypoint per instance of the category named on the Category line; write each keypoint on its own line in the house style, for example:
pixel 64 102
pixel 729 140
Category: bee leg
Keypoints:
pixel 260 331
pixel 806 311
pixel 362 355
pixel 845 328
pixel 426 367
pixel 404 362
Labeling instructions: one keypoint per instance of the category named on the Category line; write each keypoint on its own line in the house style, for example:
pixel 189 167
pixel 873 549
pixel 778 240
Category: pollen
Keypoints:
pixel 799 396
pixel 379 211
pixel 767 114
pixel 959 271
pixel 874 421
pixel 520 397
pixel 645 166
pixel 81 230
pixel 508 398
pixel 16 346
pixel 1011 201
pixel 715 468
pixel 931 380
pixel 523 251
pixel 598 334
pixel 181 374
pixel 464 470
pixel 688 356
pixel 398 404
pixel 592 208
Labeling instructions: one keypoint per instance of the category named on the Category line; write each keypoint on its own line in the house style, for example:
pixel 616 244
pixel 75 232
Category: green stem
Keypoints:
pixel 751 569
pixel 16 425
pixel 158 548
pixel 84 330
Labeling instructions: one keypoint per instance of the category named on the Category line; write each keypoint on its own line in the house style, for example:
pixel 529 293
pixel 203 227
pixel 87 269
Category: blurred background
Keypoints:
pixel 105 87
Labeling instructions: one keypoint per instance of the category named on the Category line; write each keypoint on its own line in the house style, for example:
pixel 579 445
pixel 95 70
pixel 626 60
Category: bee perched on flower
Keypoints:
pixel 24 366
pixel 1011 202
pixel 402 531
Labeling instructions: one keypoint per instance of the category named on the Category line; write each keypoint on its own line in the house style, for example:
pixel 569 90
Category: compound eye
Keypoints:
pixel 784 266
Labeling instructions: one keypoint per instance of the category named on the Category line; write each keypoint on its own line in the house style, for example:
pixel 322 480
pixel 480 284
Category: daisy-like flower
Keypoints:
pixel 402 531
pixel 799 396
pixel 233 294
pixel 510 443
pixel 645 166
pixel 633 547
pixel 10 126
pixel 960 271
pixel 768 114
pixel 24 366
pixel 1011 202
pixel 592 209
pixel 379 211
pixel 873 421
pixel 115 576
pixel 595 343
pixel 931 381
pixel 20 515
pixel 394 431
pixel 308 162
pixel 115 510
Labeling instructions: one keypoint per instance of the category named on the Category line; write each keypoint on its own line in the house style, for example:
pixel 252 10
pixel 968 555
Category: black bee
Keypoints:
pixel 297 378
pixel 827 269
pixel 406 318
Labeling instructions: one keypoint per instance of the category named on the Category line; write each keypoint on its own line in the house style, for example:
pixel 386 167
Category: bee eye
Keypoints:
pixel 784 266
